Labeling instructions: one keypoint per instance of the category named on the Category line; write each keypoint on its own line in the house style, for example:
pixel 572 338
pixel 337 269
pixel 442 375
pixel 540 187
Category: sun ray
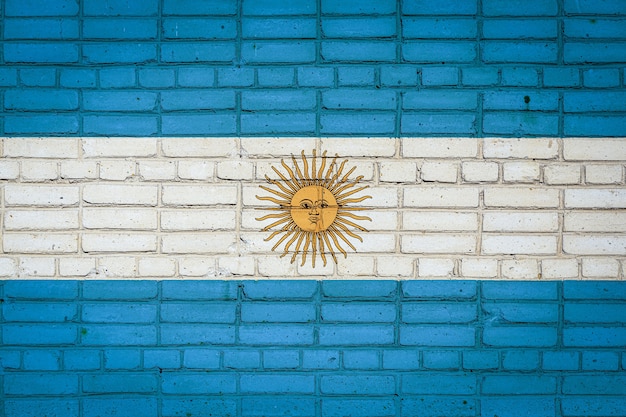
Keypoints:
pixel 333 236
pixel 321 171
pixel 330 247
pixel 289 183
pixel 349 193
pixel 285 196
pixel 295 164
pixel 343 237
pixel 271 216
pixel 341 219
pixel 337 174
pixel 294 237
pixel 277 232
pixel 276 223
pixel 345 186
pixel 353 216
pixel 343 180
pixel 349 232
pixel 321 246
pixel 353 200
pixel 273 200
pixel 291 175
pixel 297 249
pixel 286 190
pixel 327 177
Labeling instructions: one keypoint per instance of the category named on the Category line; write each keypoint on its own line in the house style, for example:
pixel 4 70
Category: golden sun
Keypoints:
pixel 313 212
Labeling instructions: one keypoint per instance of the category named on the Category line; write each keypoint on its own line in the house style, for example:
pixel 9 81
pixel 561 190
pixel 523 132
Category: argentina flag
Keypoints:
pixel 313 208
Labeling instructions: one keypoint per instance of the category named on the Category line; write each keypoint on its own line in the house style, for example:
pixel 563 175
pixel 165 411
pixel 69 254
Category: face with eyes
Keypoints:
pixel 313 208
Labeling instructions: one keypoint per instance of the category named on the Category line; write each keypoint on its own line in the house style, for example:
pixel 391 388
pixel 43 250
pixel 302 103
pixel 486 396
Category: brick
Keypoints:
pixel 128 290
pixel 38 384
pixel 439 289
pixel 120 334
pixel 161 359
pixel 587 149
pixel 54 290
pixel 201 358
pixel 120 125
pixel 40 100
pixel 511 29
pixel 594 125
pixel 594 336
pixel 561 361
pixel 343 28
pixel 350 147
pixel 480 360
pixel 601 78
pixel 277 313
pixel 41 53
pixel 121 407
pixel 9 170
pixel 401 359
pixel 39 219
pixel 593 406
pixel 196 170
pixel 278 100
pixel 398 75
pixel 517 407
pixel 315 77
pixel 190 7
pixel 359 99
pixel 39 171
pixel 366 51
pixel 127 52
pixel 597 221
pixel 559 268
pixel 450 124
pixel 358 289
pixel 357 123
pixel 521 100
pixel 439 171
pixel 594 244
pixel 120 8
pixel 520 77
pixel 439 147
pixel 8 77
pixel 199 290
pixel 53 8
pixel 594 313
pixel 440 76
pixel 278 28
pixel 518 244
pixel 433 267
pixel 520 336
pixel 281 359
pixel 40 243
pixel 520 8
pixel 197 243
pixel 599 174
pixel 438 243
pixel 119 242
pixel 361 313
pixel 356 335
pixel 439 100
pixel 580 53
pixel 277 384
pixel 602 361
pixel 117 77
pixel 288 334
pixel 398 171
pixel 454 384
pixel 520 222
pixel 40 195
pixel 439 221
pixel 83 360
pixel 285 123
pixel 519 290
pixel 356 265
pixel 278 52
pixel 153 77
pixel 275 77
pixel 561 174
pixel 521 197
pixel 78 78
pixel 437 52
pixel 358 7
pixel 46 312
pixel 235 170
pixel 520 124
pixel 118 313
pixel 42 360
pixel 113 218
pixel 441 197
pixel 119 28
pixel 39 334
pixel 121 383
pixel 357 385
pixel 593 101
pixel 561 77
pixel 197 147
pixel 121 358
pixel 522 313
pixel 8 267
pixel 442 336
pixel 423 7
pixel 360 359
pixel 521 360
pixel 197 334
pixel 320 359
pixel 394 266
pixel 423 28
pixel 366 407
pixel 441 359
pixel 479 76
pixel 479 268
pixel 297 7
pixel 242 359
pixel 119 101
pixel 195 195
pixel 438 313
pixel 156 267
pixel 520 269
pixel 197 220
pixel 40 124
pixel 600 268
pixel 197 28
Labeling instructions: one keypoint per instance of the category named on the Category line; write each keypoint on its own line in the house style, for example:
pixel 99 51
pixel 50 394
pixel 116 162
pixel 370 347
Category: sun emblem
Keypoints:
pixel 313 212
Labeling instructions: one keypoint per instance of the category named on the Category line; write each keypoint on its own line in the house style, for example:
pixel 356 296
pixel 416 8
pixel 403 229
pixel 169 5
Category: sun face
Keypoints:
pixel 313 209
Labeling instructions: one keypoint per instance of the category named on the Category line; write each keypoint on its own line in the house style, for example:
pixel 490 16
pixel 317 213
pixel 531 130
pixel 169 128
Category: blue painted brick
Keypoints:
pixel 208 406
pixel 440 76
pixel 281 359
pixel 398 75
pixel 41 124
pixel 480 359
pixel 594 125
pixel 594 336
pixel 361 359
pixel 600 361
pixel 40 53
pixel 196 77
pixel 277 384
pixel 201 358
pixel 593 28
pixel 198 312
pixel 235 77
pixel 358 123
pixel 354 335
pixel 121 335
pixel 117 77
pixel 518 407
pixel 267 290
pixel 520 76
pixel 357 7
pixel 196 383
pixel 277 312
pixel 81 360
pixel 521 100
pixel 443 290
pixel 358 407
pixel 287 334
pixel 198 124
pixel 197 28
pixel 439 384
pixel 278 406
pixel 594 290
pixel 518 384
pixel 428 28
pixel 277 28
pixel 242 359
pixel 77 78
pixel 274 99
pixel 501 290
pixel 42 360
pixel 518 52
pixel 278 52
pixel 120 8
pixel 441 359
pixel 401 359
pixel 138 101
pixel 120 52
pixel 438 313
pixel 358 51
pixel 425 7
pixel 277 123
pixel 119 290
pixel 320 359
pixel 479 76
pixel 456 124
pixel 356 76
pixel 520 336
pixel 440 100
pixel 437 406
pixel 358 312
pixel 41 407
pixel 197 99
pixel 41 8
pixel 519 29
pixel 10 359
pixel 595 313
pixel 275 77
pixel 520 360
pixel 359 99
pixel 199 290
pixel 521 313
pixel 593 406
pixel 161 358
pixel 561 77
pixel 40 29
pixel 119 29
pixel 315 77
pixel 156 77
pixel 277 7
pixel 357 384
pixel 125 383
pixel 598 53
pixel 610 7
pixel 601 77
pixel 594 101
pixel 120 125
pixel 39 334
pixel 560 361
pixel 38 312
pixel 35 383
pixel 196 334
pixel 520 8
pixel 121 358
pixel 439 52
pixel 376 27
pixel 119 407
pixel 8 77
pixel 203 8
pixel 183 52
pixel 359 289
pixel 594 384
pixel 443 336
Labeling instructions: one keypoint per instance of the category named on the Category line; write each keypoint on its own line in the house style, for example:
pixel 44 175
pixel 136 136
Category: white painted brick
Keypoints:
pixel 345 147
pixel 439 221
pixel 249 194
pixel 264 168
pixel 8 267
pixel 521 171
pixel 157 170
pixel 41 219
pixel 398 171
pixel 40 195
pixel 199 195
pixel 236 265
pixel 441 197
pixel 381 220
pixel 529 221
pixel 274 266
pixel 117 170
pixel 41 147
pixel 36 267
pixel 157 267
pixel 355 265
pixel 119 147
pixel 235 170
pixel 395 266
pixel 386 197
pixel 435 267
pixel 9 170
pixel 439 171
pixel 521 148
pixel 439 147
pixel 78 170
pixel 118 242
pixel 559 268
pixel 33 170
pixel 600 268
pixel 196 170
pixel 77 267
pixel 320 269
pixel 196 267
pixel 119 218
pixel 480 171
pixel 40 243
pixel 604 174
pixel 438 243
pixel 561 174
pixel 199 147
pixel 145 195
pixel 595 198
pixel 272 147
pixel 374 242
pixel 117 267
pixel 519 245
pixel 198 220
pixel 204 243
pixel 523 269
pixel 516 197
pixel 595 221
pixel 594 244
pixel 594 149
pixel 479 268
